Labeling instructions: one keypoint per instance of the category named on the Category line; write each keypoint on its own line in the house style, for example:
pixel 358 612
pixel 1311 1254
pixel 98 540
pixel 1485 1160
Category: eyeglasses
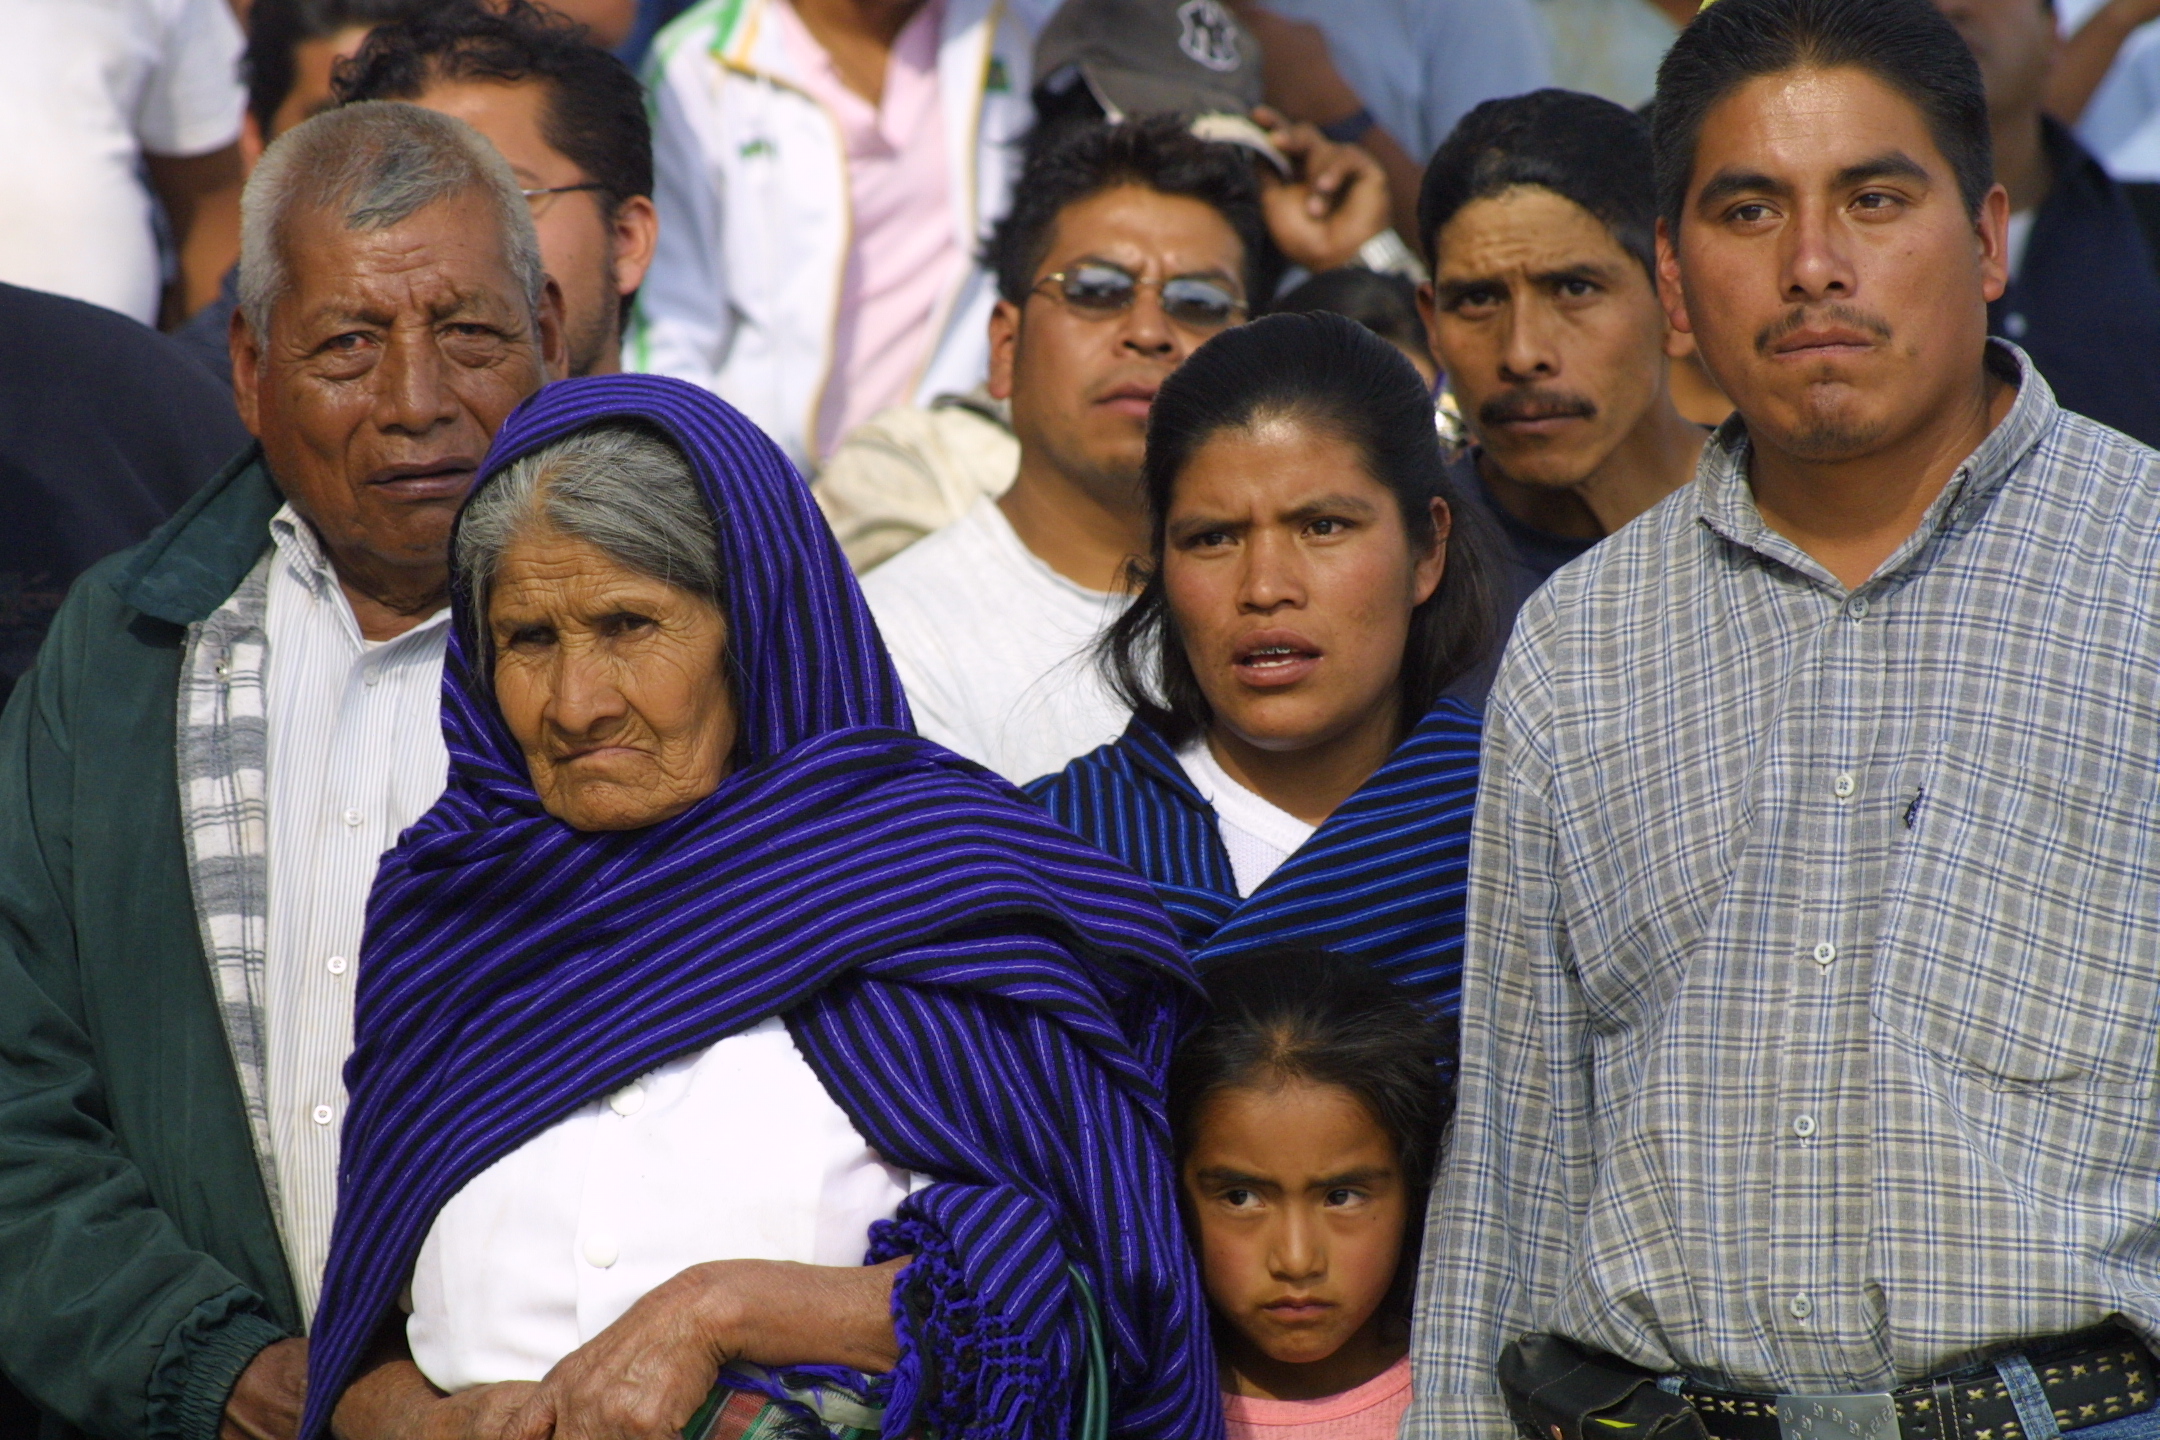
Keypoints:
pixel 538 198
pixel 1098 289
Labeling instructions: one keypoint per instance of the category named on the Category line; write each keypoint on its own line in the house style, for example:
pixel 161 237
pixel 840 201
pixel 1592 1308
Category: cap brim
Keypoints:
pixel 1216 114
pixel 1229 129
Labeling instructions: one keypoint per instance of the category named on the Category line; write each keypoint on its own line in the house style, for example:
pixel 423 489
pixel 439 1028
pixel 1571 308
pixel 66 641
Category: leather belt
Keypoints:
pixel 2088 1378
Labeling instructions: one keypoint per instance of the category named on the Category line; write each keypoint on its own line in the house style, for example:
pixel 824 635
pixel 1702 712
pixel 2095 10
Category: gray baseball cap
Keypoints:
pixel 1153 57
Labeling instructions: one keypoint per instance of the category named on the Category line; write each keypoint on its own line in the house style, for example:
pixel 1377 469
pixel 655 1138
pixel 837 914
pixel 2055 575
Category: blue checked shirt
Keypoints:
pixel 1809 1016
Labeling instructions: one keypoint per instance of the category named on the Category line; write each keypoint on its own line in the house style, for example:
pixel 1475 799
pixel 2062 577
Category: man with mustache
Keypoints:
pixel 225 728
pixel 1811 1012
pixel 1539 219
pixel 1128 245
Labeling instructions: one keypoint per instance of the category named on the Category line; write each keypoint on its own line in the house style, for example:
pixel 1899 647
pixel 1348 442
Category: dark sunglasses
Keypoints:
pixel 1099 289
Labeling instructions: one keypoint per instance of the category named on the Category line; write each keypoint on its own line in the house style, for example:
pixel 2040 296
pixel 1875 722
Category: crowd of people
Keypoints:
pixel 800 719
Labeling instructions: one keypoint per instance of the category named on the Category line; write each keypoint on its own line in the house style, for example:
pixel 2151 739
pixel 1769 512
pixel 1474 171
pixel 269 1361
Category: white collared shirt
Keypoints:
pixel 355 754
pixel 733 1152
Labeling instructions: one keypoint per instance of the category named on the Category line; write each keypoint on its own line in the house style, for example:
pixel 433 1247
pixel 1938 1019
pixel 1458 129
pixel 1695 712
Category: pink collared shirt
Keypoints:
pixel 903 256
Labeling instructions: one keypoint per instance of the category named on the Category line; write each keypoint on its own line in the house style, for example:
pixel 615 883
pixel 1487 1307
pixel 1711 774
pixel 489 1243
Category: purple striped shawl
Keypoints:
pixel 990 999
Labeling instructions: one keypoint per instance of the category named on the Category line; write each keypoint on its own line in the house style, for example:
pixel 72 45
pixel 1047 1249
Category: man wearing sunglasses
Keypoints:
pixel 1127 247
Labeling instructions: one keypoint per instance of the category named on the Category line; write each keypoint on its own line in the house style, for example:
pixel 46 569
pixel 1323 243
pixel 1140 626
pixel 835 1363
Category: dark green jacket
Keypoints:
pixel 140 1268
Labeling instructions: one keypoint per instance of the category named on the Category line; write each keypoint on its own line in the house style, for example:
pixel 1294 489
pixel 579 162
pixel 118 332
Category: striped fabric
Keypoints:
pixel 1383 879
pixel 990 1000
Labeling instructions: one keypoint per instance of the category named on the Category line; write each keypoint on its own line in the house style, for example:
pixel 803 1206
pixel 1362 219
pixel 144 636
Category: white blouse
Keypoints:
pixel 1258 834
pixel 733 1153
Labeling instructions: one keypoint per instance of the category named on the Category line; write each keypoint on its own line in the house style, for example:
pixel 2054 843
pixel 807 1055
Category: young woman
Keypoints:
pixel 1292 772
pixel 1306 1114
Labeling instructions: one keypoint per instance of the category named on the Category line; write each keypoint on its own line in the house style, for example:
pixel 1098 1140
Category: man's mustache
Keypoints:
pixel 1801 317
pixel 1517 406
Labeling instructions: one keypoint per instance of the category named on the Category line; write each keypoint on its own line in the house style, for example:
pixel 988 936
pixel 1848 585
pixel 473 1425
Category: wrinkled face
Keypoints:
pixel 1550 333
pixel 1081 384
pixel 2015 42
pixel 1300 1206
pixel 389 364
pixel 577 233
pixel 614 683
pixel 1291 579
pixel 1835 283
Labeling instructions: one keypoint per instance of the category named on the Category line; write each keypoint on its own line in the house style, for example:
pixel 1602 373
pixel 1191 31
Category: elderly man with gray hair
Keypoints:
pixel 226 727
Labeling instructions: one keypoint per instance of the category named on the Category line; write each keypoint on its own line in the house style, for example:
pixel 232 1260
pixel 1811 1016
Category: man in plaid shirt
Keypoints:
pixel 1812 1004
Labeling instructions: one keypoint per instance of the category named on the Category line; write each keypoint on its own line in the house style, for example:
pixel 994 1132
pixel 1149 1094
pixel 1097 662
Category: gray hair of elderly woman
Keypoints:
pixel 622 489
pixel 374 164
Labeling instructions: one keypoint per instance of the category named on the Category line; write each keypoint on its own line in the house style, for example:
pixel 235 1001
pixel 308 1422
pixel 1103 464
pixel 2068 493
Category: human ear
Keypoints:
pixel 635 230
pixel 1004 347
pixel 1670 292
pixel 1993 227
pixel 1432 565
pixel 246 376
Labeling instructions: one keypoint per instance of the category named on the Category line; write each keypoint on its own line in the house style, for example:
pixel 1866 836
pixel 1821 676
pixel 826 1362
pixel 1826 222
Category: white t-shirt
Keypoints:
pixel 733 1153
pixel 1258 834
pixel 995 647
pixel 87 87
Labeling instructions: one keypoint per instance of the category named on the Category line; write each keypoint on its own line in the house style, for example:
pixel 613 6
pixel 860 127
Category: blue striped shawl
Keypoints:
pixel 1383 879
pixel 990 1000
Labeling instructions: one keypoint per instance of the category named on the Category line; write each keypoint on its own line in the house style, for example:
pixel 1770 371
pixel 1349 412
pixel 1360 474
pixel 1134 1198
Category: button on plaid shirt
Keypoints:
pixel 1809 1019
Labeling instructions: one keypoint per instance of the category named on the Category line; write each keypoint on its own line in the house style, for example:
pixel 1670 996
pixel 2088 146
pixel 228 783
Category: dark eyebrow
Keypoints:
pixel 1364 1175
pixel 1448 290
pixel 1329 504
pixel 1588 270
pixel 1726 184
pixel 1891 165
pixel 1223 1175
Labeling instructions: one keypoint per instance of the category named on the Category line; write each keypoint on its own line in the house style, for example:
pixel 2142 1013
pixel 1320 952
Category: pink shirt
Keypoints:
pixel 1373 1411
pixel 904 256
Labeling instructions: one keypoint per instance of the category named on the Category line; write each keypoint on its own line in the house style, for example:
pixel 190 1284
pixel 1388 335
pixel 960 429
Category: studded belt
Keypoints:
pixel 2085 1379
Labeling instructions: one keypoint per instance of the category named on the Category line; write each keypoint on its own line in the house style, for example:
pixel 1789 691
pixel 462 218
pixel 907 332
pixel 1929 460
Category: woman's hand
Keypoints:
pixel 644 1376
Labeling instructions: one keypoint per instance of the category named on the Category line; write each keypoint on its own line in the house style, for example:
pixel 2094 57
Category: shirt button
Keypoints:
pixel 1857 607
pixel 321 1114
pixel 372 674
pixel 1801 1306
pixel 628 1100
pixel 337 964
pixel 352 817
pixel 1844 787
pixel 1825 953
pixel 1804 1126
pixel 601 1251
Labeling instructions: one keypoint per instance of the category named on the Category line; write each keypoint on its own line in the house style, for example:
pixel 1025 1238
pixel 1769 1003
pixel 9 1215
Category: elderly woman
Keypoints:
pixel 1292 772
pixel 713 1024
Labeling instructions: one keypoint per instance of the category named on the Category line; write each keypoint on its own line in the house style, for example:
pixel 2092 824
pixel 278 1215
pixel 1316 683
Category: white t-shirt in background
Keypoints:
pixel 1258 834
pixel 996 648
pixel 87 87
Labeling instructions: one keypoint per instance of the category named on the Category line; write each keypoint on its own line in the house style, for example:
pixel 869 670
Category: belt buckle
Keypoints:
pixel 1837 1417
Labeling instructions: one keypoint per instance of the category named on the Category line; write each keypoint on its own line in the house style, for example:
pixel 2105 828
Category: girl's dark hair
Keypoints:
pixel 1906 44
pixel 1310 1015
pixel 1333 374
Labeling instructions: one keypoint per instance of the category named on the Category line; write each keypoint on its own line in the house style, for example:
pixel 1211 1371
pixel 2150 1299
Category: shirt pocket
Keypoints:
pixel 2020 939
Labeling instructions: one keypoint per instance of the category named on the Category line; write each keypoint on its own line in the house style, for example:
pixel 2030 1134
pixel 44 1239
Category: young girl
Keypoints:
pixel 1307 1116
